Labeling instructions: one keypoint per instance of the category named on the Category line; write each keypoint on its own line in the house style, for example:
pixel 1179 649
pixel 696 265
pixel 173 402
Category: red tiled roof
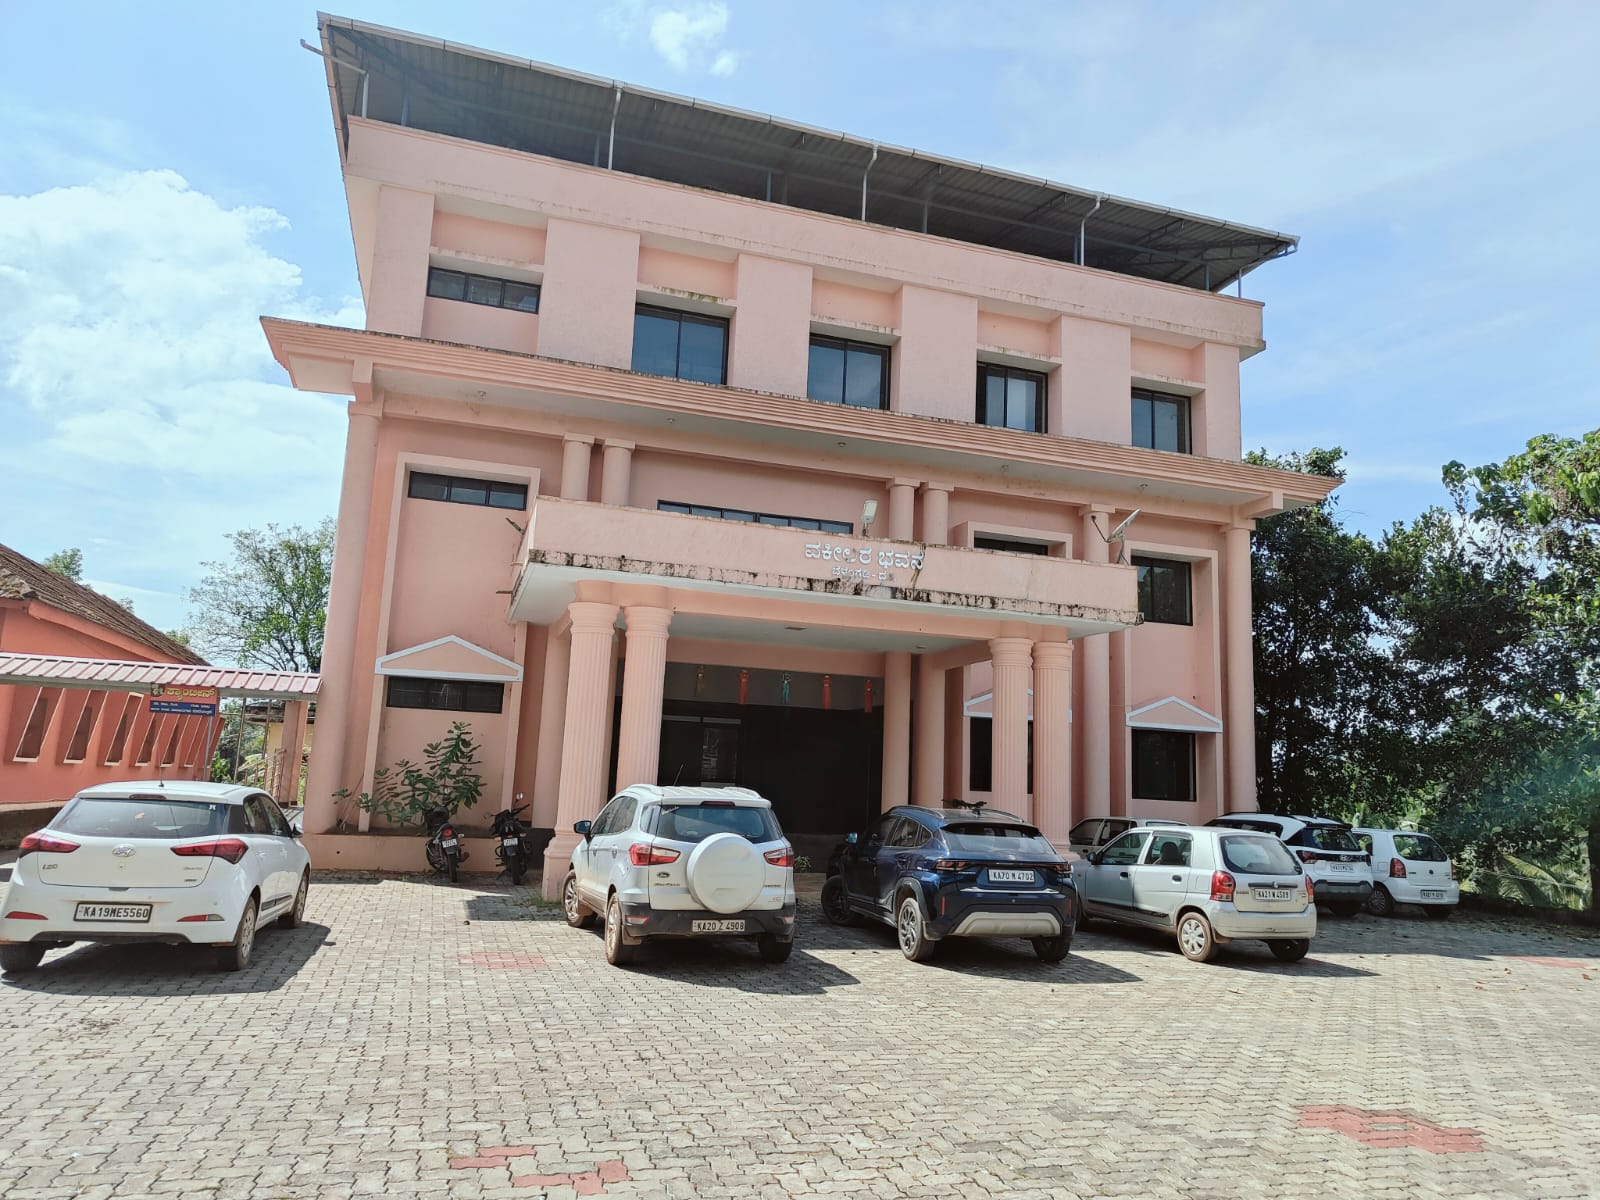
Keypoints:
pixel 23 579
pixel 111 674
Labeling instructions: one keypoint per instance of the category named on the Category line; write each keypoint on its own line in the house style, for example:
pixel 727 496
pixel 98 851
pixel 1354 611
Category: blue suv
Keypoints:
pixel 937 873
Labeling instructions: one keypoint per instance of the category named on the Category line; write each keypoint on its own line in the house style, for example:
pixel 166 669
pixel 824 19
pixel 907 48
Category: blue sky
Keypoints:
pixel 169 173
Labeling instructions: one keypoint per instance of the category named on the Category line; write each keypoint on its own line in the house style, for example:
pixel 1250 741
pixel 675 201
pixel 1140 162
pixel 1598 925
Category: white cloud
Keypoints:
pixel 689 36
pixel 143 414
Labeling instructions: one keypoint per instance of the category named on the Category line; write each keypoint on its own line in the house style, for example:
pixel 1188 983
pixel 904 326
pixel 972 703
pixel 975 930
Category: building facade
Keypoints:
pixel 686 445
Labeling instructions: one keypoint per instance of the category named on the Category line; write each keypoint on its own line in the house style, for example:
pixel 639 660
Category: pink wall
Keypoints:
pixel 488 240
pixel 480 325
pixel 771 326
pixel 590 290
pixel 935 364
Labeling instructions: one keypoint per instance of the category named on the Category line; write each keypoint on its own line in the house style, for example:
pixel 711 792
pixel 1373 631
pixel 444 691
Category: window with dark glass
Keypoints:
pixel 1010 398
pixel 1163 765
pixel 453 695
pixel 1010 545
pixel 1164 593
pixel 680 345
pixel 754 518
pixel 483 289
pixel 455 489
pixel 980 754
pixel 1160 421
pixel 853 373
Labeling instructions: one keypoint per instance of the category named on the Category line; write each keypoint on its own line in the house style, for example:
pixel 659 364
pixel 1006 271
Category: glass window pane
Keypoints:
pixel 483 291
pixel 701 510
pixel 1164 417
pixel 655 344
pixel 837 526
pixel 700 350
pixel 524 297
pixel 737 514
pixel 1142 433
pixel 505 496
pixel 769 519
pixel 469 491
pixel 671 507
pixel 802 523
pixel 429 487
pixel 825 380
pixel 864 379
pixel 1021 394
pixel 449 285
pixel 994 395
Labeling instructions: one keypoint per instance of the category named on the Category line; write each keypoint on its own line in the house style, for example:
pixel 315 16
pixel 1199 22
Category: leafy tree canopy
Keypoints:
pixel 267 607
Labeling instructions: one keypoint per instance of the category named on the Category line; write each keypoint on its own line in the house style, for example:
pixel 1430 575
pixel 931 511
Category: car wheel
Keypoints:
pixel 577 915
pixel 296 916
pixel 1289 949
pixel 1194 937
pixel 1380 903
pixel 912 930
pixel 18 960
pixel 235 956
pixel 836 902
pixel 1439 912
pixel 774 949
pixel 619 951
pixel 1052 949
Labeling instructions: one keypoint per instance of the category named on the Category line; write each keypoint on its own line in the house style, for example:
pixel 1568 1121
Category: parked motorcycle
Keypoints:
pixel 445 854
pixel 513 843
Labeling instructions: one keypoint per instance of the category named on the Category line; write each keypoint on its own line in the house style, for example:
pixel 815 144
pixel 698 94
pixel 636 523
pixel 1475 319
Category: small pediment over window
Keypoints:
pixel 1173 713
pixel 450 657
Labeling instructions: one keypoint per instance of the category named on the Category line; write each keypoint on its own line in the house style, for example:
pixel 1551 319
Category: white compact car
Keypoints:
pixel 1207 885
pixel 1409 867
pixel 1336 864
pixel 690 862
pixel 176 862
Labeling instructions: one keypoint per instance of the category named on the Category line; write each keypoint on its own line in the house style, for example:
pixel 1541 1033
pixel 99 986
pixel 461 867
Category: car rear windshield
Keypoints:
pixel 1328 837
pixel 981 838
pixel 1418 847
pixel 136 817
pixel 1253 854
pixel 697 822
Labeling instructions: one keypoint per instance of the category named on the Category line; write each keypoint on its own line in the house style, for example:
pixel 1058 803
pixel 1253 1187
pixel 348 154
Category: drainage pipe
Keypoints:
pixel 864 175
pixel 1083 224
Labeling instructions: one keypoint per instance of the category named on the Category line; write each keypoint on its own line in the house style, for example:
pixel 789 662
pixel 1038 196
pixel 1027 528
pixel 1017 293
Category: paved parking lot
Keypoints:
pixel 419 1039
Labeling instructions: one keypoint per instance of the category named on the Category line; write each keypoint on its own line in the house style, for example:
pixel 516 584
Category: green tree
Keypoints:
pixel 268 606
pixel 66 562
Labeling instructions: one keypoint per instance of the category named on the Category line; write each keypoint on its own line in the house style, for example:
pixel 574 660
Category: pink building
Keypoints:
pixel 692 445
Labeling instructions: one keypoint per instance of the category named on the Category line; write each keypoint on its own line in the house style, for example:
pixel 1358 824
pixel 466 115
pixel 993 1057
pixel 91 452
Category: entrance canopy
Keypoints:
pixel 839 589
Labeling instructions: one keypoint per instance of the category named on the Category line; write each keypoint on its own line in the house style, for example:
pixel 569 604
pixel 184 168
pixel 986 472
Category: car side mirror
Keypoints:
pixel 850 839
pixel 583 827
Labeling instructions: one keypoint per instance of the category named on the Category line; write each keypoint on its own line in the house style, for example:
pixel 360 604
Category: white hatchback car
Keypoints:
pixel 1409 867
pixel 684 862
pixel 176 862
pixel 1208 885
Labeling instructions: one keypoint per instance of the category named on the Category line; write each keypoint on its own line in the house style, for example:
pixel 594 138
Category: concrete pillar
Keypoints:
pixel 1094 657
pixel 590 290
pixel 1052 740
pixel 397 286
pixel 552 726
pixel 294 742
pixel 936 513
pixel 770 343
pixel 1238 676
pixel 1013 661
pixel 896 728
pixel 902 509
pixel 583 763
pixel 326 774
pixel 616 473
pixel 575 455
pixel 643 682
pixel 928 779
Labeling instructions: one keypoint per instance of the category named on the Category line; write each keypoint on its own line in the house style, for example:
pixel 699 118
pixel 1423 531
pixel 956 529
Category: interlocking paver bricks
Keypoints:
pixel 421 1040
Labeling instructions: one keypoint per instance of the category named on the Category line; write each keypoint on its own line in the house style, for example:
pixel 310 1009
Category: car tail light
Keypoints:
pixel 201 917
pixel 24 916
pixel 1222 885
pixel 45 844
pixel 1308 856
pixel 641 855
pixel 950 864
pixel 447 831
pixel 1397 869
pixel 1311 894
pixel 778 858
pixel 1452 867
pixel 231 849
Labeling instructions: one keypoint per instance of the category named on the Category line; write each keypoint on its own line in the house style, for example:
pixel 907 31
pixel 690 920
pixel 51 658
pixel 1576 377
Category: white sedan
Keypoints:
pixel 176 862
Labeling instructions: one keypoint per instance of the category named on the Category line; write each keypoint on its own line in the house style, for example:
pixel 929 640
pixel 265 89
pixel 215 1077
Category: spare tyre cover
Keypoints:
pixel 725 873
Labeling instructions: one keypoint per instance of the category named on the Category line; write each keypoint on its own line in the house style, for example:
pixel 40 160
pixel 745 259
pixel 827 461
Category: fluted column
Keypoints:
pixel 1052 739
pixel 552 727
pixel 1094 661
pixel 575 455
pixel 1238 679
pixel 1013 661
pixel 643 682
pixel 896 728
pixel 616 473
pixel 928 779
pixel 583 760
pixel 902 509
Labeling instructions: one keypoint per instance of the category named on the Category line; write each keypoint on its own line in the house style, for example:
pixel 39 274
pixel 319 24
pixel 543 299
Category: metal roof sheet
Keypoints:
pixel 462 91
pixel 110 674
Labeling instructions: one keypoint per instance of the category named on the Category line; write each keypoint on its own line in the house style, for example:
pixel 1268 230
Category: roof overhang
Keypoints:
pixel 117 675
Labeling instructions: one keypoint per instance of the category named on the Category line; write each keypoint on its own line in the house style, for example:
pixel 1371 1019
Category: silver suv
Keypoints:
pixel 690 862
pixel 1209 886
